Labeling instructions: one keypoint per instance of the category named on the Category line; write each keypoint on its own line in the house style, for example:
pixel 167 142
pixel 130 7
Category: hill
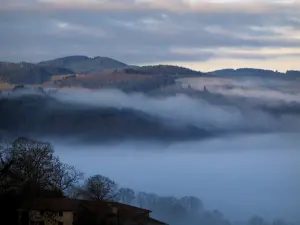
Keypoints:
pixel 250 72
pixel 127 82
pixel 45 115
pixel 28 73
pixel 293 74
pixel 163 70
pixel 84 64
pixel 104 72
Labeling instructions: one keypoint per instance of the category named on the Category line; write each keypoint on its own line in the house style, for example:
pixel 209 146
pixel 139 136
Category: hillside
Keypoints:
pixel 104 72
pixel 27 73
pixel 41 115
pixel 246 72
pixel 84 64
pixel 120 80
pixel 163 70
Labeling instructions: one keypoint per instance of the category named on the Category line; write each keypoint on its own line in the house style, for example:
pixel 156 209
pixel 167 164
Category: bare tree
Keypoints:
pixel 33 161
pixel 32 165
pixel 141 199
pixel 126 195
pixel 4 163
pixel 279 222
pixel 256 220
pixel 192 204
pixel 65 176
pixel 99 187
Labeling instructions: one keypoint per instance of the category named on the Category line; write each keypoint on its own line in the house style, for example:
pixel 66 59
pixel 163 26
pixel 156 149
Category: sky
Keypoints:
pixel 200 34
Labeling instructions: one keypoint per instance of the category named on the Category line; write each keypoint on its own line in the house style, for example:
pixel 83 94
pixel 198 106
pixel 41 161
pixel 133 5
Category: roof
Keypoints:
pixel 155 221
pixel 96 206
pixel 67 204
pixel 52 204
pixel 129 207
pixel 143 218
pixel 103 207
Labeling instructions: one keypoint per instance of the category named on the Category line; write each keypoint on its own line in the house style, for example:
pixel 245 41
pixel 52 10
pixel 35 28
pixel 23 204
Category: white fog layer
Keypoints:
pixel 239 176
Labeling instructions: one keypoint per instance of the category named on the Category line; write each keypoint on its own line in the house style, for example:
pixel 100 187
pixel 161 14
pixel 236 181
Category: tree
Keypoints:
pixel 65 176
pixel 256 220
pixel 99 187
pixel 126 195
pixel 192 204
pixel 33 162
pixel 141 199
pixel 31 167
pixel 4 164
pixel 279 222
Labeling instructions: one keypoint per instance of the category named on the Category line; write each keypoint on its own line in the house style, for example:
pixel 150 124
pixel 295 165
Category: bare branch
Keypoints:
pixel 99 188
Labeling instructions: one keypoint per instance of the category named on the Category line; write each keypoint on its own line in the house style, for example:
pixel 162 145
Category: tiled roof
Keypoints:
pixel 129 207
pixel 67 204
pixel 149 219
pixel 52 204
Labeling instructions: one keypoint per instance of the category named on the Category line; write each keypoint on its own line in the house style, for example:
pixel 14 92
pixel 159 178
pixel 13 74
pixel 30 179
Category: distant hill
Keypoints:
pixel 246 72
pixel 293 73
pixel 104 72
pixel 84 64
pixel 162 70
pixel 28 73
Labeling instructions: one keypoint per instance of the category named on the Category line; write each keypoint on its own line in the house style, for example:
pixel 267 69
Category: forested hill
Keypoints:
pixel 84 64
pixel 28 73
pixel 91 70
pixel 43 115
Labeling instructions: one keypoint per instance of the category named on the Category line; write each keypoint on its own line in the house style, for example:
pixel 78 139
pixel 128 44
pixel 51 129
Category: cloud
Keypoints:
pixel 146 32
pixel 206 6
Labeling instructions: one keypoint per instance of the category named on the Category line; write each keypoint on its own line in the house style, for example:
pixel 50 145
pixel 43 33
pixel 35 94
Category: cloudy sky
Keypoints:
pixel 200 34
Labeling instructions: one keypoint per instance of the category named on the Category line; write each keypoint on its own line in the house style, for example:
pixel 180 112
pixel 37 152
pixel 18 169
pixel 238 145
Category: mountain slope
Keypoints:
pixel 47 116
pixel 27 73
pixel 162 70
pixel 246 72
pixel 84 64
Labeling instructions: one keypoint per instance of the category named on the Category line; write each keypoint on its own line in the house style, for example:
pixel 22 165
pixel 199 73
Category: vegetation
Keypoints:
pixel 84 64
pixel 28 73
pixel 104 72
pixel 163 70
pixel 29 168
pixel 98 187
pixel 44 115
pixel 247 72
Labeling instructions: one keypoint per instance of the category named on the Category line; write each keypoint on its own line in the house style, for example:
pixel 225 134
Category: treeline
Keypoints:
pixel 27 73
pixel 163 70
pixel 43 115
pixel 29 169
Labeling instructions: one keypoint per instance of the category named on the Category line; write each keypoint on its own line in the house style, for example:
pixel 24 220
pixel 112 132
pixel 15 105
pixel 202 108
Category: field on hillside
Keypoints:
pixel 98 80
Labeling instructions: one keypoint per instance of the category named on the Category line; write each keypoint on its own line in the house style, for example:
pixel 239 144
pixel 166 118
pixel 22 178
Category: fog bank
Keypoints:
pixel 254 175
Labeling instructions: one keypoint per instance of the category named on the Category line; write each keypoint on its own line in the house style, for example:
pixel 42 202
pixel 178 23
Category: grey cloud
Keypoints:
pixel 146 36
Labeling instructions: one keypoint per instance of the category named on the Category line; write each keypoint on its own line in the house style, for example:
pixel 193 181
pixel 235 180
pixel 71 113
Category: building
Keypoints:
pixel 65 211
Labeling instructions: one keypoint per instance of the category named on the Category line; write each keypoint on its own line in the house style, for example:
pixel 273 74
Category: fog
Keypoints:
pixel 259 88
pixel 237 150
pixel 242 177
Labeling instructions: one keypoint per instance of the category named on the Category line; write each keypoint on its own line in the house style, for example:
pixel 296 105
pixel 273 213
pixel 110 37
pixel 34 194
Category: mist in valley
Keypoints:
pixel 238 153
pixel 241 177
